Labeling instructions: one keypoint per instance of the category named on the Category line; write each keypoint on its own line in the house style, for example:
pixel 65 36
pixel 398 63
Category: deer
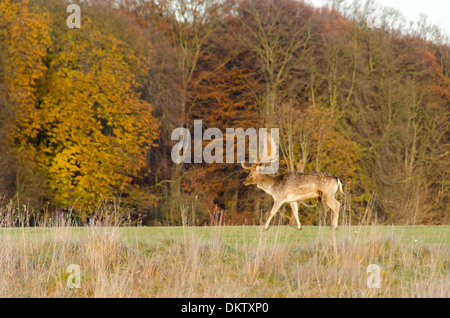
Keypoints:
pixel 292 187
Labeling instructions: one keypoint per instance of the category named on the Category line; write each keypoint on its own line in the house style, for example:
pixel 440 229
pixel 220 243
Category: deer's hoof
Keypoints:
pixel 300 228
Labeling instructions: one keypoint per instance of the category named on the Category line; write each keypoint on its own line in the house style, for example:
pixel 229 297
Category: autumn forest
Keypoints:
pixel 86 114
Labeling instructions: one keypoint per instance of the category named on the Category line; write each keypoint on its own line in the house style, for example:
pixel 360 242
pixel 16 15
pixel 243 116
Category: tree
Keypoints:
pixel 96 131
pixel 24 39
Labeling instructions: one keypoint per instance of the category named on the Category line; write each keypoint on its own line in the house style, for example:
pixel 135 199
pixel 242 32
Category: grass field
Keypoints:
pixel 225 261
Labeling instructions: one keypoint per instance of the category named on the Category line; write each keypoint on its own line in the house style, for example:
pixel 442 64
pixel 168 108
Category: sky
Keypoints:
pixel 438 11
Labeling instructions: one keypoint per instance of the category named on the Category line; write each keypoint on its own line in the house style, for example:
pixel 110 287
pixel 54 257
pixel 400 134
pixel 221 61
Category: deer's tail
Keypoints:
pixel 339 182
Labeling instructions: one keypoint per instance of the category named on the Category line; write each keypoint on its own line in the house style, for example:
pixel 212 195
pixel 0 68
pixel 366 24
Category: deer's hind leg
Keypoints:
pixel 335 206
pixel 294 207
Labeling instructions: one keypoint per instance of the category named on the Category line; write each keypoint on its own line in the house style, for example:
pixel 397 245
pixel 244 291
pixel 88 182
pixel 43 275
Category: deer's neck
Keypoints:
pixel 265 182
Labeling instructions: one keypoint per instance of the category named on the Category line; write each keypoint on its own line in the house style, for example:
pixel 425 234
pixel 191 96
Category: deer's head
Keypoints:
pixel 268 155
pixel 255 172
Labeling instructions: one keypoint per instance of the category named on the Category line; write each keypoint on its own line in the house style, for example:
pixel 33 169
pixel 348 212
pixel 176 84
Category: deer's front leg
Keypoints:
pixel 294 207
pixel 276 206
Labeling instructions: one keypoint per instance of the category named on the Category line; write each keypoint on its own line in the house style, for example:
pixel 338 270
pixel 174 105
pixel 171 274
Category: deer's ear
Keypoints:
pixel 258 169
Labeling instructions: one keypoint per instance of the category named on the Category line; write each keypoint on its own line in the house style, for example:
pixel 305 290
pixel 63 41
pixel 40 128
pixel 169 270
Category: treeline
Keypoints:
pixel 87 114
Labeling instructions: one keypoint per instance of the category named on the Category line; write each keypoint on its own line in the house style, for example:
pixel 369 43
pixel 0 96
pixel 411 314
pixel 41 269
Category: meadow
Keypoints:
pixel 224 261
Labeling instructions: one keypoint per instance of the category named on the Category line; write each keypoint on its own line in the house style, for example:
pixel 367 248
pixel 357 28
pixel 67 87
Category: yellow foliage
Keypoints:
pixel 24 39
pixel 97 130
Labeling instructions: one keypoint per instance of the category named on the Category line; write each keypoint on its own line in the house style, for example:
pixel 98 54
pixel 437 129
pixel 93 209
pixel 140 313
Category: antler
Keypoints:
pixel 269 155
pixel 266 156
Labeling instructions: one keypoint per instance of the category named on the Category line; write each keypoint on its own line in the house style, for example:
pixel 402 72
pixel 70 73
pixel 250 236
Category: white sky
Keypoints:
pixel 438 11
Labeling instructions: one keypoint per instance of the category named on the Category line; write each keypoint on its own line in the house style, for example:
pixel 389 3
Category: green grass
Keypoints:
pixel 239 235
pixel 250 235
pixel 225 261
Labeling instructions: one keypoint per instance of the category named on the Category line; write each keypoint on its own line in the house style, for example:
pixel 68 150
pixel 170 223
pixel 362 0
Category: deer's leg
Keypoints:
pixel 275 208
pixel 335 206
pixel 294 207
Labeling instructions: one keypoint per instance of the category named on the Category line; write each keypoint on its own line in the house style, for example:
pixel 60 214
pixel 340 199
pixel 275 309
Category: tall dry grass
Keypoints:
pixel 34 261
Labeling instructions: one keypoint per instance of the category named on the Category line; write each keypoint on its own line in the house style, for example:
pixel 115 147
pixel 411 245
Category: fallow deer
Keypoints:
pixel 292 187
